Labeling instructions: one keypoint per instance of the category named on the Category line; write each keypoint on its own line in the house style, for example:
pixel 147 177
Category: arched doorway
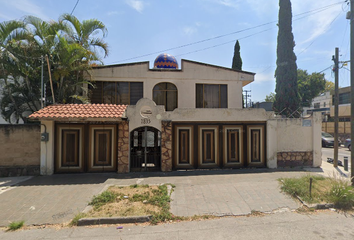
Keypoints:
pixel 145 149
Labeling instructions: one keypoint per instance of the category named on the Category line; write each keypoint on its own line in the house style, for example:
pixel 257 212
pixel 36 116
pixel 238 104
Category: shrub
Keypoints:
pixel 341 194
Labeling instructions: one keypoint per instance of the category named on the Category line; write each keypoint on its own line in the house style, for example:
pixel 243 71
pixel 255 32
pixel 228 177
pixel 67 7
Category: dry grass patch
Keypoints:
pixel 124 208
pixel 134 200
pixel 133 189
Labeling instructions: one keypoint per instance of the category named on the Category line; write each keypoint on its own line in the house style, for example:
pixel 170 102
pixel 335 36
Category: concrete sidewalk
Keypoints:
pixel 7 183
pixel 58 198
pixel 327 170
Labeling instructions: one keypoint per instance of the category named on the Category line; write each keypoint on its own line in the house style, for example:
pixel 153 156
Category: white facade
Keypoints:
pixel 185 79
pixel 321 103
pixel 186 137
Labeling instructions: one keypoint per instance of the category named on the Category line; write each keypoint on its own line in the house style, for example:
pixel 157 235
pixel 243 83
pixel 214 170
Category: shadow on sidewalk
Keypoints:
pixel 99 178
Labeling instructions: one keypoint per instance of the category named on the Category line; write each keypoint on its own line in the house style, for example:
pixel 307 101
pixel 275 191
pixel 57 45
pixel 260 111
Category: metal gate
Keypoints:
pixel 145 149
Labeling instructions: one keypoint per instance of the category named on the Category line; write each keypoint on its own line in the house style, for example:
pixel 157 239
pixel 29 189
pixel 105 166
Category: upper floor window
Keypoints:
pixel 344 98
pixel 316 105
pixel 211 96
pixel 117 92
pixel 165 94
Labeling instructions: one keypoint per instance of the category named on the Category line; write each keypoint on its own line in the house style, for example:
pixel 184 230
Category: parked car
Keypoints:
pixel 348 144
pixel 328 140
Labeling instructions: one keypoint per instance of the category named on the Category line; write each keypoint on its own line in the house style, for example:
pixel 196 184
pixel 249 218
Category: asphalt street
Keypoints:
pixel 285 225
pixel 342 152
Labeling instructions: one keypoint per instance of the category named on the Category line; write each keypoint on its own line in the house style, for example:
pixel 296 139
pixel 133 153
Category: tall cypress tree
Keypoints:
pixel 287 100
pixel 237 61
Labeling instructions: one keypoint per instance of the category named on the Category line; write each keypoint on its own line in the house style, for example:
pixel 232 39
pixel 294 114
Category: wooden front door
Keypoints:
pixel 255 146
pixel 69 148
pixel 208 149
pixel 102 150
pixel 233 146
pixel 85 148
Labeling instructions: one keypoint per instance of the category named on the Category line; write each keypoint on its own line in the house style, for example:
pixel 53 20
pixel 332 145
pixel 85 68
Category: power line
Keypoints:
pixel 201 41
pixel 77 2
pixel 325 69
pixel 315 39
pixel 217 45
pixel 315 11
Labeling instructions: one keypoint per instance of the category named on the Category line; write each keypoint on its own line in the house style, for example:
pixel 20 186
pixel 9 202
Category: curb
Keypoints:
pixel 113 220
pixel 316 206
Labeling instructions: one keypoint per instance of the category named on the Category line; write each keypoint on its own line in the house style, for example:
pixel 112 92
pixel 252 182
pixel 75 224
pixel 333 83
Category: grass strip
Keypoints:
pixel 334 190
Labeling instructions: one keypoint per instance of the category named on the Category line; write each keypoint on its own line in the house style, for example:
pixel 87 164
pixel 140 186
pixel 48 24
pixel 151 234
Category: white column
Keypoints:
pixel 47 149
pixel 272 143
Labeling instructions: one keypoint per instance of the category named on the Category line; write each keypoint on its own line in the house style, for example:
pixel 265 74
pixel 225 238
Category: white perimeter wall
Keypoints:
pixel 294 135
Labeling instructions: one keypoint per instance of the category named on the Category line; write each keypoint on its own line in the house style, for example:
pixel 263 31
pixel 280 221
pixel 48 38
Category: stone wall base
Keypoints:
pixel 295 159
pixel 16 171
pixel 166 146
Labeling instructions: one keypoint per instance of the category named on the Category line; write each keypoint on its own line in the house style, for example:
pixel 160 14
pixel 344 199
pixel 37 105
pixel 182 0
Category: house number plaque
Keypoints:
pixel 145 121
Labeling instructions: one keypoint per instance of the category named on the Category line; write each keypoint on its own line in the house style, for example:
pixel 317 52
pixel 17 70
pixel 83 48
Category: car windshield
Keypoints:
pixel 324 134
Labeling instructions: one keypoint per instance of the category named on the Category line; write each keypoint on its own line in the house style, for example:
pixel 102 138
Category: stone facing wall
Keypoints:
pixel 295 159
pixel 123 147
pixel 19 149
pixel 166 146
pixel 15 171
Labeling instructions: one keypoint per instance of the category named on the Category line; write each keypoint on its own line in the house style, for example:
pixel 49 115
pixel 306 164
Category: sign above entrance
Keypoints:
pixel 146 112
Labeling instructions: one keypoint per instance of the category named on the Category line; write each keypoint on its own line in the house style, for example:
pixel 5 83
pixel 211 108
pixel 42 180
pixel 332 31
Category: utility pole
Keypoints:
pixel 42 90
pixel 335 58
pixel 352 84
pixel 247 95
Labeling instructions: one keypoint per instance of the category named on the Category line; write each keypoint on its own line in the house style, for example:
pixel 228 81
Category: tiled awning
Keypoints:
pixel 80 112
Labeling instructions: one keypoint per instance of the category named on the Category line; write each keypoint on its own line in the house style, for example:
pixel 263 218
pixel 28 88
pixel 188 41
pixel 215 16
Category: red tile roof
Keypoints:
pixel 80 112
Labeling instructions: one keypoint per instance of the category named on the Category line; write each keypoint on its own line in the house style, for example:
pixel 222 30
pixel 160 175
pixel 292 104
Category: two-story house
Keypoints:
pixel 160 118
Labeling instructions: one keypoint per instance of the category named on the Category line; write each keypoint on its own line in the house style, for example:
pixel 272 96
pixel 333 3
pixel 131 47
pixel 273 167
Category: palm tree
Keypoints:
pixel 71 49
pixel 70 62
pixel 83 33
pixel 10 34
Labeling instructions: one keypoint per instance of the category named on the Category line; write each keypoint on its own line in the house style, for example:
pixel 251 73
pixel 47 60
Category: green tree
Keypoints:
pixel 287 100
pixel 310 86
pixel 270 97
pixel 22 46
pixel 237 61
pixel 12 104
pixel 69 64
pixel 84 33
pixel 329 86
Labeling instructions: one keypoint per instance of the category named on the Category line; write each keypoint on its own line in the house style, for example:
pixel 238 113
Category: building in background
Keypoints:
pixel 321 103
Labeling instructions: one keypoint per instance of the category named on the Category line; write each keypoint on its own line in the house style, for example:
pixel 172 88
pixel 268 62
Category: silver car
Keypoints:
pixel 327 140
pixel 348 144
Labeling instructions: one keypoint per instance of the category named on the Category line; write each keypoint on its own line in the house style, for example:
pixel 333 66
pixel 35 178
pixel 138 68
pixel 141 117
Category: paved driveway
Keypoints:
pixel 58 198
pixel 49 199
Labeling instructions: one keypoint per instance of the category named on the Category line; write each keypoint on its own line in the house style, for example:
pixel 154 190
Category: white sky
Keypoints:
pixel 148 27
